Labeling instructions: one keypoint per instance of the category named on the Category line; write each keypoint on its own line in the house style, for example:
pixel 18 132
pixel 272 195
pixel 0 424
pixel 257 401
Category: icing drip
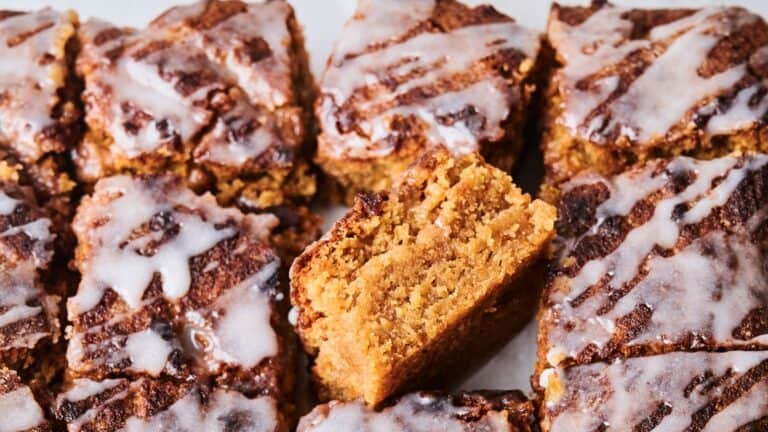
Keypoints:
pixel 601 395
pixel 704 289
pixel 20 410
pixel 188 412
pixel 32 70
pixel 374 72
pixel 136 205
pixel 414 412
pixel 644 110
pixel 229 43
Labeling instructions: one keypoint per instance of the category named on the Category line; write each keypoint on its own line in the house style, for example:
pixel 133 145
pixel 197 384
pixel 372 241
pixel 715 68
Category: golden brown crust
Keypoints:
pixel 402 257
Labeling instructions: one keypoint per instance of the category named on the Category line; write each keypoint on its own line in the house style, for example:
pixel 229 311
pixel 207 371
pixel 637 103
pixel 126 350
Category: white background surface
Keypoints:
pixel 322 21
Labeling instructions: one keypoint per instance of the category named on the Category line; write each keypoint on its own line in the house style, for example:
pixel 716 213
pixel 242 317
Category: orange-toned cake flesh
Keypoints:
pixel 406 76
pixel 668 257
pixel 159 405
pixel 427 412
pixel 723 392
pixel 215 91
pixel 403 283
pixel 637 84
pixel 175 287
pixel 19 409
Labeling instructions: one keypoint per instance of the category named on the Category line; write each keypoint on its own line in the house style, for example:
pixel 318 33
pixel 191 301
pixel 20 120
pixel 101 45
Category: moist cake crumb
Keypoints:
pixel 403 282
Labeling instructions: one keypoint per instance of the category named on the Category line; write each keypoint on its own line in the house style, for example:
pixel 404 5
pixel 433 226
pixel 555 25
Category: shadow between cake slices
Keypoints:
pixel 176 293
pixel 404 78
pixel 639 84
pixel 218 92
pixel 402 284
pixel 423 411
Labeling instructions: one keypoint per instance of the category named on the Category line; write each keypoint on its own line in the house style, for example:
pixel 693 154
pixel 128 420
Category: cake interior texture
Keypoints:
pixel 402 282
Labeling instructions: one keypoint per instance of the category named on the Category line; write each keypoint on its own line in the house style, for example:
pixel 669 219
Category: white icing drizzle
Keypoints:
pixel 608 394
pixel 705 289
pixel 138 84
pixel 188 414
pixel 241 332
pixel 7 204
pixel 148 352
pixel 135 205
pixel 28 83
pixel 645 111
pixel 267 80
pixel 415 62
pixel 20 410
pixel 414 412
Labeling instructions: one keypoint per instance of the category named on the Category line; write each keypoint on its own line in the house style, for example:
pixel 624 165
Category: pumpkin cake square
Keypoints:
pixel 638 84
pixel 723 392
pixel 408 278
pixel 406 76
pixel 667 257
pixel 217 91
pixel 174 287
pixel 427 412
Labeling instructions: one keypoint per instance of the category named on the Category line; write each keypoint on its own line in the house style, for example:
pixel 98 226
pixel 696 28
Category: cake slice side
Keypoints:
pixel 387 297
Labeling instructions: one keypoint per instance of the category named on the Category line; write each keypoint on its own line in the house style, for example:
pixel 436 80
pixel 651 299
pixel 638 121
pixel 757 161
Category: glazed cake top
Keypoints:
pixel 453 72
pixel 20 410
pixel 423 412
pixel 32 46
pixel 708 392
pixel 153 405
pixel 168 275
pixel 174 85
pixel 26 313
pixel 668 256
pixel 634 76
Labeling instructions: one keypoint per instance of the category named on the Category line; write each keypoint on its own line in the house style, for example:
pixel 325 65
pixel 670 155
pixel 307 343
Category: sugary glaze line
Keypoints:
pixel 390 64
pixel 708 392
pixel 20 409
pixel 183 291
pixel 423 412
pixel 27 314
pixel 150 405
pixel 33 71
pixel 623 81
pixel 665 257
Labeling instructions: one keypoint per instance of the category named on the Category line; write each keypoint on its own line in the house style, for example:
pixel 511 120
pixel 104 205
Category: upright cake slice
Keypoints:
pixel 162 405
pixel 636 84
pixel 723 392
pixel 19 409
pixel 409 75
pixel 668 257
pixel 38 113
pixel 175 286
pixel 215 91
pixel 28 314
pixel 408 279
pixel 427 412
